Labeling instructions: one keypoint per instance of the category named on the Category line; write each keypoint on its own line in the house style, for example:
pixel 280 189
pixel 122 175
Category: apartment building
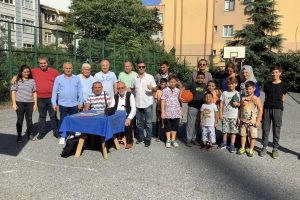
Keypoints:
pixel 24 13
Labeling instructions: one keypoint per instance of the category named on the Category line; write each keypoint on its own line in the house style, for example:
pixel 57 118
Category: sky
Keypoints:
pixel 64 4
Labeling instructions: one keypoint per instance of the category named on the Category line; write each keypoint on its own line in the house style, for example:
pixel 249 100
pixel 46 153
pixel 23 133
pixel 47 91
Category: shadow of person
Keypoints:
pixel 9 145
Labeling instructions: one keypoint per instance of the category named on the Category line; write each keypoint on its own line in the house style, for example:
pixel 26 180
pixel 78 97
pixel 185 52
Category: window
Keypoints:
pixel 29 28
pixel 47 38
pixel 50 17
pixel 7 1
pixel 27 4
pixel 28 46
pixel 8 19
pixel 228 31
pixel 229 5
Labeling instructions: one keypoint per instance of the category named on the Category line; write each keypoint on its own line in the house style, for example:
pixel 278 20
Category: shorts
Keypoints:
pixel 208 134
pixel 229 126
pixel 171 124
pixel 248 129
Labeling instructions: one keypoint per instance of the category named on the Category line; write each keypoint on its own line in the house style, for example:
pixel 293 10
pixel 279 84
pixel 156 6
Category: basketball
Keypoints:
pixel 187 96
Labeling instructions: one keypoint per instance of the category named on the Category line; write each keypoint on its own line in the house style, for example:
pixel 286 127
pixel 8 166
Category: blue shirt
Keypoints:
pixel 68 92
pixel 86 84
pixel 108 81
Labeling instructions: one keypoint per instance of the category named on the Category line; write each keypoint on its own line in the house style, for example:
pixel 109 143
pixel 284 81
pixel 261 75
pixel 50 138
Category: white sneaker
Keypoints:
pixel 174 143
pixel 77 134
pixel 62 141
pixel 168 143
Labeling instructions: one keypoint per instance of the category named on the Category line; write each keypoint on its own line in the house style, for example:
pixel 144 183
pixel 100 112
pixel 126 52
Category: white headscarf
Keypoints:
pixel 251 77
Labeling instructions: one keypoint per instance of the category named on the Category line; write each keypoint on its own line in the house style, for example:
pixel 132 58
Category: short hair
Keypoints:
pixel 211 81
pixel 231 65
pixel 139 62
pixel 249 84
pixel 276 67
pixel 66 63
pixel 172 76
pixel 208 93
pixel 164 63
pixel 200 73
pixel 42 57
pixel 127 61
pixel 163 80
pixel 201 60
pixel 86 65
pixel 231 80
pixel 97 82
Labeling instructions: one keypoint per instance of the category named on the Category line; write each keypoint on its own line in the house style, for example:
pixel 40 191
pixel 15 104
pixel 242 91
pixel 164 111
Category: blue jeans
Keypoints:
pixel 144 120
pixel 44 106
pixel 65 111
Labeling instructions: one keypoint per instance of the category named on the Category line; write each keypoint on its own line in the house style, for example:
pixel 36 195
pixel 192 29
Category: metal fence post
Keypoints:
pixel 9 50
pixel 35 47
pixel 90 50
pixel 124 53
pixel 114 57
pixel 56 49
pixel 74 54
pixel 103 46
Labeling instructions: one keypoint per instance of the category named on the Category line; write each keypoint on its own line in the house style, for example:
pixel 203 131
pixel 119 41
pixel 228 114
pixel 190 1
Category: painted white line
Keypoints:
pixel 56 165
pixel 7 172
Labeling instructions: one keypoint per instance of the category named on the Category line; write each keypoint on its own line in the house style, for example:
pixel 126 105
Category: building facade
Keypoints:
pixel 24 15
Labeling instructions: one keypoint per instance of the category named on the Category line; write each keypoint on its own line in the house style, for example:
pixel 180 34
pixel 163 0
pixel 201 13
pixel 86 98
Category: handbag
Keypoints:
pixel 108 111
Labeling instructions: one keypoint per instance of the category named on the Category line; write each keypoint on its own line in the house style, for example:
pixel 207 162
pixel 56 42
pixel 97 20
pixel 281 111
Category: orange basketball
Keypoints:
pixel 187 96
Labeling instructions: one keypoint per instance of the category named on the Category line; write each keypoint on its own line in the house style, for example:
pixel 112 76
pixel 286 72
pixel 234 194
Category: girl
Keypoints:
pixel 163 85
pixel 211 87
pixel 171 110
pixel 248 75
pixel 209 121
pixel 24 100
pixel 230 71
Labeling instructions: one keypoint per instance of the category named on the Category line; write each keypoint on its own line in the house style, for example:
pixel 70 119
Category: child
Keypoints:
pixel 209 120
pixel 193 116
pixel 275 92
pixel 163 85
pixel 171 110
pixel 250 115
pixel 211 87
pixel 24 100
pixel 229 113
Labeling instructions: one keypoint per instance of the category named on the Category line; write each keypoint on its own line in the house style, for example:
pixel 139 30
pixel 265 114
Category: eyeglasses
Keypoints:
pixel 120 88
pixel 142 66
pixel 202 64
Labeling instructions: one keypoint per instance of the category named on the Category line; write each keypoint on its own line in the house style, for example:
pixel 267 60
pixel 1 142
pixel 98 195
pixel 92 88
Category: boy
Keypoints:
pixel 250 115
pixel 275 92
pixel 171 110
pixel 229 113
pixel 193 116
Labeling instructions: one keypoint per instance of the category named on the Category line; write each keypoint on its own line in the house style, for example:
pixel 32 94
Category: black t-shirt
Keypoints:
pixel 198 91
pixel 274 93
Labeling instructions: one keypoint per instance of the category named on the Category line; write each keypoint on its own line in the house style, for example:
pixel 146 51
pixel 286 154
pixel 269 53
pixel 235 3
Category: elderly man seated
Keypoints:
pixel 96 100
pixel 124 100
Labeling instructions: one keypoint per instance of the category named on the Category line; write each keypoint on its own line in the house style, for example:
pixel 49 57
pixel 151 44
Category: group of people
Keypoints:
pixel 236 104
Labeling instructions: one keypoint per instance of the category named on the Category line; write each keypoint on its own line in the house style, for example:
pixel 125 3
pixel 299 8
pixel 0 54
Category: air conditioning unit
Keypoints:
pixel 246 1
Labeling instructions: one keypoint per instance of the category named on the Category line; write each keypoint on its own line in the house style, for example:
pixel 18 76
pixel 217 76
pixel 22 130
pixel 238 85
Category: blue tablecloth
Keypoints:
pixel 100 124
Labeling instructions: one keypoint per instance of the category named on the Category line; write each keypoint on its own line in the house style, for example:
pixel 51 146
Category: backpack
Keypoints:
pixel 70 147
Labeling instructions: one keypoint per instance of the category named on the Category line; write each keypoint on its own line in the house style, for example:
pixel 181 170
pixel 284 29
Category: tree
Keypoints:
pixel 260 37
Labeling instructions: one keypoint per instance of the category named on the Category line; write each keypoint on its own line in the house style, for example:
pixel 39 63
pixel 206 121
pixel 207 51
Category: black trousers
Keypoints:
pixel 128 134
pixel 24 109
pixel 44 106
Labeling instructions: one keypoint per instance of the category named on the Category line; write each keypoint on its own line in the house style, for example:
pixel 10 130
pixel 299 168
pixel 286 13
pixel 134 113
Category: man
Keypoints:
pixel 44 77
pixel 164 72
pixel 127 75
pixel 96 100
pixel 86 80
pixel 124 100
pixel 144 85
pixel 202 66
pixel 107 78
pixel 67 94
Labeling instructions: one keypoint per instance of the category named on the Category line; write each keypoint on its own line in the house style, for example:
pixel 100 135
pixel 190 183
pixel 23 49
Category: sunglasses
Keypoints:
pixel 202 64
pixel 142 66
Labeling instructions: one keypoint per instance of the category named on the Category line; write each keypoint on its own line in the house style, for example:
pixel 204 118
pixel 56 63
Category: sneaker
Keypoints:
pixel 175 144
pixel 56 134
pixel 19 139
pixel 222 146
pixel 188 144
pixel 77 134
pixel 168 143
pixel 275 153
pixel 232 149
pixel 194 142
pixel 157 139
pixel 241 151
pixel 147 143
pixel 250 152
pixel 31 137
pixel 41 136
pixel 139 141
pixel 62 141
pixel 263 152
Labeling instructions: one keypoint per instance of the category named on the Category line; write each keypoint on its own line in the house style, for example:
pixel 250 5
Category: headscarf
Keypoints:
pixel 251 77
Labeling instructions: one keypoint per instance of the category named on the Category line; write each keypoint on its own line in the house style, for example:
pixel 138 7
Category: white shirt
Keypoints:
pixel 228 110
pixel 143 96
pixel 122 102
pixel 209 114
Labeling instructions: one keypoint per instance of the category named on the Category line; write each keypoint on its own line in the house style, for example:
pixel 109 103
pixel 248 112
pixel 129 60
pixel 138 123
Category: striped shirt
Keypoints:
pixel 98 102
pixel 24 90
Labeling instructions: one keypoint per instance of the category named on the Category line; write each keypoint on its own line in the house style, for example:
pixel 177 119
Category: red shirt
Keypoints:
pixel 44 81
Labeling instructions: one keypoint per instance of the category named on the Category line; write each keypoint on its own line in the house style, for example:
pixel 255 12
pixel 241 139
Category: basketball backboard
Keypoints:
pixel 234 52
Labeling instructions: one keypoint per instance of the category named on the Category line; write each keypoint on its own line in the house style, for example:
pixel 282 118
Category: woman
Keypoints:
pixel 248 75
pixel 24 101
pixel 230 71
pixel 202 66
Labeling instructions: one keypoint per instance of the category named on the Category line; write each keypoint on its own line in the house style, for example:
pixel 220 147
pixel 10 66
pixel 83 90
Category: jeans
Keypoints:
pixel 273 116
pixel 144 119
pixel 24 108
pixel 65 111
pixel 193 124
pixel 44 106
